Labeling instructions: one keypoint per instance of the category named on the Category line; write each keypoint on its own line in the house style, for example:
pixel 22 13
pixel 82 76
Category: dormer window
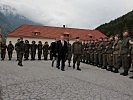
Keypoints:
pixel 66 34
pixel 36 33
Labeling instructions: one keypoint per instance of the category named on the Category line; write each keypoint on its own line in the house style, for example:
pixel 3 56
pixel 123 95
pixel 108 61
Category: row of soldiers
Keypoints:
pixel 27 49
pixel 110 53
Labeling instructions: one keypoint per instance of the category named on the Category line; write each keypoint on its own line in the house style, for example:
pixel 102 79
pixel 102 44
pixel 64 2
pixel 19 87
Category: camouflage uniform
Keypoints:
pixel 125 51
pixel 96 54
pixel 100 55
pixel 40 47
pixel 84 52
pixel 110 55
pixel 92 47
pixel 116 55
pixel 16 48
pixel 77 51
pixel 87 53
pixel 10 49
pixel 69 54
pixel 26 50
pixel 3 50
pixel 20 52
pixel 33 48
pixel 45 51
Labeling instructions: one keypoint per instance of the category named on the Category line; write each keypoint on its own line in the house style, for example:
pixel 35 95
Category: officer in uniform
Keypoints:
pixel 125 53
pixel 100 55
pixel 104 52
pixel 116 54
pixel 16 48
pixel 26 50
pixel 84 50
pixel 69 54
pixel 10 49
pixel 92 47
pixel 77 51
pixel 20 51
pixel 33 50
pixel 110 54
pixel 40 48
pixel 3 50
pixel 96 53
pixel 45 50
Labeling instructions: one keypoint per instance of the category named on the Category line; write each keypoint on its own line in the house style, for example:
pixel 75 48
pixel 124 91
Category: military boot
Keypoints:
pixel 125 73
pixel 73 66
pixel 69 64
pixel 131 77
pixel 78 68
pixel 115 70
pixel 110 69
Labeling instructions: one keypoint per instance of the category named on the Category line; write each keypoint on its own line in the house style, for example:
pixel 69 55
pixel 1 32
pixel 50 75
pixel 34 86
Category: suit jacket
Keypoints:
pixel 61 49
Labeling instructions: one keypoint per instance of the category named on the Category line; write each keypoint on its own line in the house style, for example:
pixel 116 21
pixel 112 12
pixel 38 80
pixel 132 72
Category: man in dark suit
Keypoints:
pixel 61 50
pixel 53 51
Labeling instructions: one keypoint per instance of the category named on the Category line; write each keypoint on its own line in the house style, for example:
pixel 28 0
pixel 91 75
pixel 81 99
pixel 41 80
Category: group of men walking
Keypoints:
pixel 106 53
pixel 110 53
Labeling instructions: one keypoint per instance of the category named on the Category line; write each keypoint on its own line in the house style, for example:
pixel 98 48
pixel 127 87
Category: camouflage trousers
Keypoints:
pixel 110 60
pixel 105 60
pixel 87 58
pixel 117 61
pixel 77 58
pixel 100 59
pixel 92 58
pixel 20 58
pixel 95 58
pixel 126 62
pixel 69 56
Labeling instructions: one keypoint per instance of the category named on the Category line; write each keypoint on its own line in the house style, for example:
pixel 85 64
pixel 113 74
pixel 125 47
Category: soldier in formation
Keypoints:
pixel 10 49
pixel 3 50
pixel 46 50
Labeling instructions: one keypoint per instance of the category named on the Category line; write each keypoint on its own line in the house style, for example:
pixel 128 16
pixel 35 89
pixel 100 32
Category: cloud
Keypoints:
pixel 73 13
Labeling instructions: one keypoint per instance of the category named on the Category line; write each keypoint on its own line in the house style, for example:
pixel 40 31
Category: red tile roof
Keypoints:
pixel 54 32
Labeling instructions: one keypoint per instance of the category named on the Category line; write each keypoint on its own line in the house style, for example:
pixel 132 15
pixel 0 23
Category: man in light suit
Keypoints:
pixel 61 51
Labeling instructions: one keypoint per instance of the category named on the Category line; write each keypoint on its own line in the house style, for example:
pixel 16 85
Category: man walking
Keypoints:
pixel 61 50
pixel 77 51
pixel 20 51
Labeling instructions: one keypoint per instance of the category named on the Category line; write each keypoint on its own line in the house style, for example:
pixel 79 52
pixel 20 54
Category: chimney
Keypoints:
pixel 64 26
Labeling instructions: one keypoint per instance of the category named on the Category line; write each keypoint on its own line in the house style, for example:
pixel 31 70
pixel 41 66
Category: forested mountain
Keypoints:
pixel 118 25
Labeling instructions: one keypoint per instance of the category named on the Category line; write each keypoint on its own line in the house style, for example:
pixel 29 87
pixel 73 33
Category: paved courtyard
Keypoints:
pixel 37 80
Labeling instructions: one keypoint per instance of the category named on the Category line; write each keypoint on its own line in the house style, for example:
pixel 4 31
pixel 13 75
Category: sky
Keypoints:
pixel 87 14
